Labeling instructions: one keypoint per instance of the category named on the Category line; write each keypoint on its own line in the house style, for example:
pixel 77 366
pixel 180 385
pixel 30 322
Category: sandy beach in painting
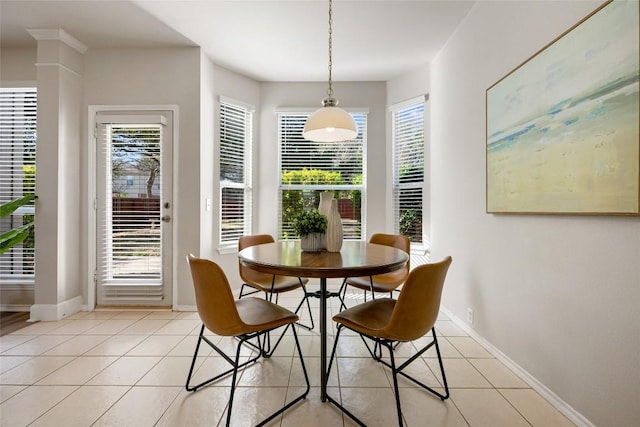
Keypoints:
pixel 574 174
pixel 570 161
pixel 579 153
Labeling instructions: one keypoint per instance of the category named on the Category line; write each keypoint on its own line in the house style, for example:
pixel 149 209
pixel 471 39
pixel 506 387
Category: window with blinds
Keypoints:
pixel 307 168
pixel 17 177
pixel 408 168
pixel 130 219
pixel 236 128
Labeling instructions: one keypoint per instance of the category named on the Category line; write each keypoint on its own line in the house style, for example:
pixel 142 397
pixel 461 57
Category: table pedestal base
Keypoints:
pixel 323 294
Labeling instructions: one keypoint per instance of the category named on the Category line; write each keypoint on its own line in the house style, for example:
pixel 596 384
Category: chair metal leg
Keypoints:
pixel 394 373
pixel 233 383
pixel 242 290
pixel 300 397
pixel 267 350
pixel 201 338
pixel 342 294
pixel 444 377
pixel 333 351
pixel 193 361
pixel 376 354
pixel 305 298
pixel 236 365
pixel 331 399
pixel 242 294
pixel 400 368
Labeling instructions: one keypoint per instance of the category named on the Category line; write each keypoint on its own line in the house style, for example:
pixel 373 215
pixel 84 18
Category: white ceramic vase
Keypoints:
pixel 334 229
pixel 324 207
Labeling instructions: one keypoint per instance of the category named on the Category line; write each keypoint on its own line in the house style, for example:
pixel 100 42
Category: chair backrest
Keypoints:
pixel 418 304
pixel 247 274
pixel 397 241
pixel 214 299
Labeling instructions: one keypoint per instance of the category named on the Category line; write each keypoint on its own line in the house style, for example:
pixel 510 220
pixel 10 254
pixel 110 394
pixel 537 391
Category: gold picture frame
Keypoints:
pixel 563 127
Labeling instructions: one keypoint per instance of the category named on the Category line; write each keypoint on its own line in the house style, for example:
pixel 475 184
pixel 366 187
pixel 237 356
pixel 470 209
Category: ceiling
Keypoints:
pixel 267 40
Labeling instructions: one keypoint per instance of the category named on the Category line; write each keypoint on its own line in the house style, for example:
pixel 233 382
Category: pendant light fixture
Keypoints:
pixel 330 123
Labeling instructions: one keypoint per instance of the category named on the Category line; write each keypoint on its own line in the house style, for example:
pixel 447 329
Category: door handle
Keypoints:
pixel 165 218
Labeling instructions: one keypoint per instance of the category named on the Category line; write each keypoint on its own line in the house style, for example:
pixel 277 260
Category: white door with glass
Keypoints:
pixel 134 207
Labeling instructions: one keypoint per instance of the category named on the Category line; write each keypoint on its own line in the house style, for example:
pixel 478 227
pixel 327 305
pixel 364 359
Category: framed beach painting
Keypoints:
pixel 562 128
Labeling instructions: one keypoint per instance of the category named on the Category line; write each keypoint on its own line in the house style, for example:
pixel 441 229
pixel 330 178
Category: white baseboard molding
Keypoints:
pixel 577 418
pixel 53 312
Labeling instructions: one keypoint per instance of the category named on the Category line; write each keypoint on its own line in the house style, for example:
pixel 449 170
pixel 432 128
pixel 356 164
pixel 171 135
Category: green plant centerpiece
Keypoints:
pixel 310 226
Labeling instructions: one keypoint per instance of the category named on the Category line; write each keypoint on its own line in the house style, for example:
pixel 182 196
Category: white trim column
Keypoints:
pixel 58 290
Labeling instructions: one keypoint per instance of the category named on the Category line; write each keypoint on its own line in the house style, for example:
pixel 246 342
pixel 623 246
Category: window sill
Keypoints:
pixel 226 250
pixel 419 249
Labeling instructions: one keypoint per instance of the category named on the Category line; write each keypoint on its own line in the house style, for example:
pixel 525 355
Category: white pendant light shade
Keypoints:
pixel 330 124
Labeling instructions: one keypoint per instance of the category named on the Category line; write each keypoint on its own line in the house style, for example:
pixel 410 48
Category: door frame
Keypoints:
pixel 91 199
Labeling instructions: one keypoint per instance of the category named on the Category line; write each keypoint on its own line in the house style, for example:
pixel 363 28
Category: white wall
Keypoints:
pixel 558 295
pixel 239 88
pixel 409 85
pixel 278 96
pixel 157 77
pixel 208 124
pixel 18 65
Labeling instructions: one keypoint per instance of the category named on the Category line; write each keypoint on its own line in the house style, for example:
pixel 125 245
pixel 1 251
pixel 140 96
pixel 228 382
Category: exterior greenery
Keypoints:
pixel 411 224
pixel 295 202
pixel 135 152
pixel 308 222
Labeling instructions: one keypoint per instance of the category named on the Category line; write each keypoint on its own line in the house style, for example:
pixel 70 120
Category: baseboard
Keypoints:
pixel 53 312
pixel 577 418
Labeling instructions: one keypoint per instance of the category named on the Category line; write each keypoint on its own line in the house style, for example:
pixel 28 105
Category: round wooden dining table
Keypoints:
pixel 356 258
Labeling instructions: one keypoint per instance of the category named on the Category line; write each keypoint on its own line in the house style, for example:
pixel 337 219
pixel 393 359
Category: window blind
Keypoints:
pixel 408 169
pixel 130 236
pixel 236 129
pixel 308 168
pixel 17 177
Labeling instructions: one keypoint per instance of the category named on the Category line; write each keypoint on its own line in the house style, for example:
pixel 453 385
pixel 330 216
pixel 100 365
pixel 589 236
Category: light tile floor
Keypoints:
pixel 128 368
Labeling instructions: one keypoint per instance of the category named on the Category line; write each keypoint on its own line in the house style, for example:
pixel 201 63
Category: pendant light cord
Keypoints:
pixel 330 89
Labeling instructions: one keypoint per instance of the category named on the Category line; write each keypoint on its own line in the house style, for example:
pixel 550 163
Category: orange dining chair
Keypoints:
pixel 270 284
pixel 387 282
pixel 387 321
pixel 247 320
